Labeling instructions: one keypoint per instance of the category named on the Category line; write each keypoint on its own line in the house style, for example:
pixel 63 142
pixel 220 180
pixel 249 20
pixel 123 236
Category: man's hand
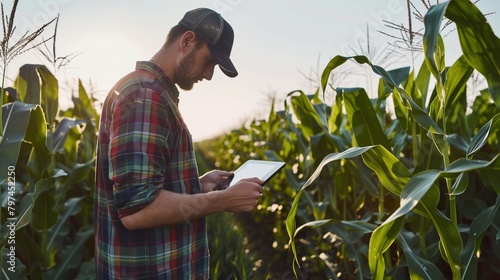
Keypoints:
pixel 210 180
pixel 244 195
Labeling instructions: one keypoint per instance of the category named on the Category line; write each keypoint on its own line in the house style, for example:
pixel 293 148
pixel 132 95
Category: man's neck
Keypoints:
pixel 165 58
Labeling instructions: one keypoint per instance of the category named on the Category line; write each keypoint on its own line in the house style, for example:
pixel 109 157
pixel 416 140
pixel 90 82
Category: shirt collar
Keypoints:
pixel 168 85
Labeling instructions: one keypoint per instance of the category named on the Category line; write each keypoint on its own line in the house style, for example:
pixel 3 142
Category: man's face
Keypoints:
pixel 195 66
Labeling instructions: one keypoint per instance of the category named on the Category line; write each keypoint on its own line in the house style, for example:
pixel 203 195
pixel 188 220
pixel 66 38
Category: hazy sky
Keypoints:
pixel 276 43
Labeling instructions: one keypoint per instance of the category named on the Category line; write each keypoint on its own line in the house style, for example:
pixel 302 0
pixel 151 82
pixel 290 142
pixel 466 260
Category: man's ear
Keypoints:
pixel 187 41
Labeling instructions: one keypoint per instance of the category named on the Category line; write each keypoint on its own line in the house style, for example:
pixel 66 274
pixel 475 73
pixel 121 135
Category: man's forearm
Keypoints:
pixel 171 208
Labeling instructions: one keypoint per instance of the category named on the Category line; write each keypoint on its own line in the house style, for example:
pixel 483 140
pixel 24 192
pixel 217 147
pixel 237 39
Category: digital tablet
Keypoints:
pixel 262 169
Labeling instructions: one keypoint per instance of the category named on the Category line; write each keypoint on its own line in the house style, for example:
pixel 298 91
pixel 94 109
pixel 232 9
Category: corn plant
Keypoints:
pixel 432 146
pixel 48 197
pixel 10 50
pixel 372 193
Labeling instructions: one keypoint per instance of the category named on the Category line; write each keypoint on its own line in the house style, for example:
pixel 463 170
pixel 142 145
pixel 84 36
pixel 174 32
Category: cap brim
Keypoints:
pixel 225 63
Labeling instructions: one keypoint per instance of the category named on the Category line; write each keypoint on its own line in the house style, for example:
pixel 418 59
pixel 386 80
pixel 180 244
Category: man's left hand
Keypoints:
pixel 213 179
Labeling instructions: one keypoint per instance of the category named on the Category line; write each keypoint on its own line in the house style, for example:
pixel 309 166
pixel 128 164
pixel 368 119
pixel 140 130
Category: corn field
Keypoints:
pixel 378 194
pixel 367 192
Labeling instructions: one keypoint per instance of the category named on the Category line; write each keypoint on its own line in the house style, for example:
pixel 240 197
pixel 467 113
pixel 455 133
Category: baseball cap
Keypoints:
pixel 218 34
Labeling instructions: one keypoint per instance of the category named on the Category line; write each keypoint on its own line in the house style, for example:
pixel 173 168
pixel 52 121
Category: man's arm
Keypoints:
pixel 170 208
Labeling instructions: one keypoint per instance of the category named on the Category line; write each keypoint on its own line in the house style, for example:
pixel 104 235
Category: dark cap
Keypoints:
pixel 218 34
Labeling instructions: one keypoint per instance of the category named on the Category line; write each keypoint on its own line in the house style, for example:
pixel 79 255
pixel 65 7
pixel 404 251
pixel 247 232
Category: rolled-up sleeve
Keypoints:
pixel 138 150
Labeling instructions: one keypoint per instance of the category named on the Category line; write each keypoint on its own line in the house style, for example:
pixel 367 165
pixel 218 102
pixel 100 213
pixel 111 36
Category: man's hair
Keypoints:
pixel 176 32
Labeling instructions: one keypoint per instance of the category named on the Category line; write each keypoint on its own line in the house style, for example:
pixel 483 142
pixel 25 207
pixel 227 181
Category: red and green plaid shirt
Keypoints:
pixel 144 146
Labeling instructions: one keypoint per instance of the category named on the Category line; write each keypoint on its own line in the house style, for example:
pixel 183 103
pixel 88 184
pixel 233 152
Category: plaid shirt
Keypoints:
pixel 144 146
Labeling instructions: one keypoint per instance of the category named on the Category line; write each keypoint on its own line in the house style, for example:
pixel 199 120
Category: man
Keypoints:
pixel 150 202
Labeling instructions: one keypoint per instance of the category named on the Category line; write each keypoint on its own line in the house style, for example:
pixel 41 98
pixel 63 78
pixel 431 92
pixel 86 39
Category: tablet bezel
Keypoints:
pixel 276 166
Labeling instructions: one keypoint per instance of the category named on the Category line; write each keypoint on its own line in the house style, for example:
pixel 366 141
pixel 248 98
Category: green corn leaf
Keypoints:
pixel 456 83
pixel 363 119
pixel 72 207
pixel 41 163
pixel 381 239
pixel 421 117
pixel 290 221
pixel 401 111
pixel 349 231
pixel 62 131
pixel 16 117
pixel 416 195
pixel 490 128
pixel 393 175
pixel 399 75
pixel 323 143
pixel 84 107
pixel 490 176
pixel 316 223
pixel 432 40
pixel 44 216
pixel 311 122
pixel 480 45
pixel 413 192
pixel 428 156
pixel 460 184
pixel 411 88
pixel 419 267
pixel 26 206
pixel 422 83
pixel 37 85
pixel 70 257
pixel 477 229
pixel 28 84
pixel 50 95
pixel 458 142
pixel 336 117
pixel 463 165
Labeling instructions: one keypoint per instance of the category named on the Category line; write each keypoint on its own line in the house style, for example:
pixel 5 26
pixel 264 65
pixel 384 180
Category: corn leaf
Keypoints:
pixel 381 239
pixel 481 138
pixel 419 267
pixel 311 122
pixel 432 40
pixel 41 163
pixel 477 229
pixel 363 119
pixel 26 206
pixel 37 85
pixel 16 118
pixel 455 84
pixel 480 45
pixel 71 256
pixel 72 207
pixel 290 221
pixel 422 83
pixel 50 95
pixel 28 84
pixel 422 118
pixel 62 131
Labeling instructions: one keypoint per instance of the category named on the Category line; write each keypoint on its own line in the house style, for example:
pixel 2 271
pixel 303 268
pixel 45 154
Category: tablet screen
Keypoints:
pixel 261 169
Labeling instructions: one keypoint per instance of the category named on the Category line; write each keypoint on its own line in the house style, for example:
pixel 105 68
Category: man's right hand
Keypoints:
pixel 243 196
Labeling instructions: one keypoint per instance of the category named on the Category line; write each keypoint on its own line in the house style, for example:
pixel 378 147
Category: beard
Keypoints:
pixel 183 72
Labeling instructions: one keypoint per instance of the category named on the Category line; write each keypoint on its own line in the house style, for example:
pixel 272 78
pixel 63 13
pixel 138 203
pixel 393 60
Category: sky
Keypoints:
pixel 279 47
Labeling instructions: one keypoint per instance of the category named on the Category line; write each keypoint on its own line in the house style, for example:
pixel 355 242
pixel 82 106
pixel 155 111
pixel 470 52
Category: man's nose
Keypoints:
pixel 209 73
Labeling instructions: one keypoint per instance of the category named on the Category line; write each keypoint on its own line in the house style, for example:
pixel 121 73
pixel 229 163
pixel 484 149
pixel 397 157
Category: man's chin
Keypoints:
pixel 186 86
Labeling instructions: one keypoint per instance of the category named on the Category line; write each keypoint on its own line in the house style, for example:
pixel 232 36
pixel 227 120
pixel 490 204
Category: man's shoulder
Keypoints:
pixel 135 83
pixel 141 78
